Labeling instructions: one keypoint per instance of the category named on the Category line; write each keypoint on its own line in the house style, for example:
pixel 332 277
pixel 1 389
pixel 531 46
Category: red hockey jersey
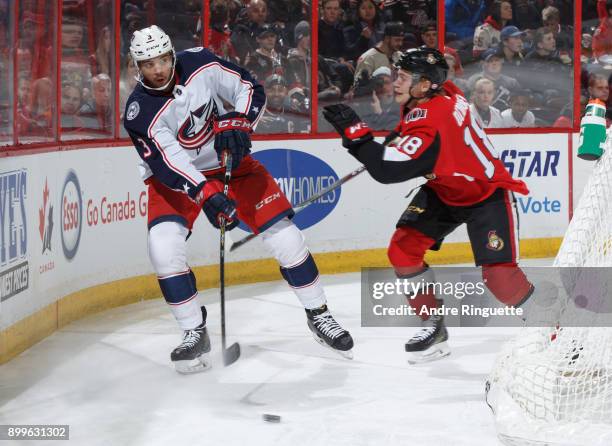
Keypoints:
pixel 467 168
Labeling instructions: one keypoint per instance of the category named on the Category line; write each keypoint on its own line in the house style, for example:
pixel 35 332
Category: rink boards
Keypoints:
pixel 73 224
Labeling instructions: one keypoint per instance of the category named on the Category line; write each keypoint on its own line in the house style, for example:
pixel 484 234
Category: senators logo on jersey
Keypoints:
pixel 197 129
pixel 495 243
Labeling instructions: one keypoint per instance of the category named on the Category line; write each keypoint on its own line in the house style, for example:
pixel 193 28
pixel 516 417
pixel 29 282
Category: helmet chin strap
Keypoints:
pixel 140 78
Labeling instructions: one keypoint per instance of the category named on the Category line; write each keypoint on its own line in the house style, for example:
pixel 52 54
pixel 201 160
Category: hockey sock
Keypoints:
pixel 286 243
pixel 180 293
pixel 507 282
pixel 168 254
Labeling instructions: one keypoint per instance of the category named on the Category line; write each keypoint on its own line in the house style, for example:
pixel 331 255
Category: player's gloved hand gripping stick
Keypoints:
pixel 231 354
pixel 342 118
pixel 232 134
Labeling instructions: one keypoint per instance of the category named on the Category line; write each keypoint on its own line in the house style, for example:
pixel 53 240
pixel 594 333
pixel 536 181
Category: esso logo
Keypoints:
pixel 72 215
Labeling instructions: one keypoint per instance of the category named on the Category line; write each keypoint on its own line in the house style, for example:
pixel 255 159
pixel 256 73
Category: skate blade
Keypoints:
pixel 348 354
pixel 197 365
pixel 433 353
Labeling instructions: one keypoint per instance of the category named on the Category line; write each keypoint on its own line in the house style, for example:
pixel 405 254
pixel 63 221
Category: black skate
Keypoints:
pixel 429 343
pixel 328 332
pixel 192 355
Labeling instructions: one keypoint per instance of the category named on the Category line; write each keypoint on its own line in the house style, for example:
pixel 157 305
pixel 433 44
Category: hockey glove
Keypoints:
pixel 347 123
pixel 217 205
pixel 232 133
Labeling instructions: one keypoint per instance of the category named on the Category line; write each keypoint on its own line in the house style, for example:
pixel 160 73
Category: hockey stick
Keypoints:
pixel 231 354
pixel 304 204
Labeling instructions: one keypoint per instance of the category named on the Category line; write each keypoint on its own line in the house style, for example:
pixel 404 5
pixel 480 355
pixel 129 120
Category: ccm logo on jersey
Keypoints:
pixel 267 200
pixel 231 124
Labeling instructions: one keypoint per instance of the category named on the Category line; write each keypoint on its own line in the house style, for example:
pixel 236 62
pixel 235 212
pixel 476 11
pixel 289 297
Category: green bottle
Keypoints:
pixel 592 131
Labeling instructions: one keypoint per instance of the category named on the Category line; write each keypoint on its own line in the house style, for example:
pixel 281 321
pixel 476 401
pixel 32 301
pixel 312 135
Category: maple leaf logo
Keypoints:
pixel 45 220
pixel 42 212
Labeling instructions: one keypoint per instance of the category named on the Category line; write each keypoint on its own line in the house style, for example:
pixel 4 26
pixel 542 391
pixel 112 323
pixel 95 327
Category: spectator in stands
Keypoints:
pixel 598 87
pixel 382 54
pixel 413 13
pixel 274 119
pixel 245 32
pixel 285 15
pixel 453 73
pixel 381 112
pixel 526 15
pixel 330 86
pixel 492 66
pixel 602 38
pixel 104 52
pixel 127 82
pixel 234 7
pixel 429 37
pixel 551 19
pixel 488 34
pixel 42 110
pixel 74 59
pixel 565 117
pixel 544 62
pixel 71 104
pixel 98 113
pixel 220 42
pixel 512 50
pixel 24 105
pixel 482 98
pixel 331 38
pixel 462 16
pixel 365 29
pixel 586 48
pixel 298 60
pixel 429 34
pixel 518 115
pixel 265 60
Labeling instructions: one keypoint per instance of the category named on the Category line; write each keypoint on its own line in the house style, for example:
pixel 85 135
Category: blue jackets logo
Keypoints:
pixel 72 215
pixel 14 267
pixel 300 175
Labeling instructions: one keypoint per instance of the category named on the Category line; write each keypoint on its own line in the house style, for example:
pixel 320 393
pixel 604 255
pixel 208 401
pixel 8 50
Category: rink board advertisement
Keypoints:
pixel 69 220
pixel 542 162
pixel 74 219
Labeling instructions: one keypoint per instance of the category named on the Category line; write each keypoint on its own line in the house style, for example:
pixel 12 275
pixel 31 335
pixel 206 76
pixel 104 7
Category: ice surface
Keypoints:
pixel 110 378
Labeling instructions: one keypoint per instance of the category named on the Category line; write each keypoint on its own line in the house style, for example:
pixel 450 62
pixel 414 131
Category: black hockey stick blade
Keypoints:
pixel 231 354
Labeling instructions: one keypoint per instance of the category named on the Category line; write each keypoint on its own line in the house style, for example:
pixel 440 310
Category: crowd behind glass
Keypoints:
pixel 514 59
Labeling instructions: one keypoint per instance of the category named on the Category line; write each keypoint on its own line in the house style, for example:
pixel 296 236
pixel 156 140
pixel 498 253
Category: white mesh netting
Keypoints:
pixel 554 386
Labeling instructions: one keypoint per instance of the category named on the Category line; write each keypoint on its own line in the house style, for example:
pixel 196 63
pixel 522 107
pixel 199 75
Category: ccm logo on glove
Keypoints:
pixel 233 124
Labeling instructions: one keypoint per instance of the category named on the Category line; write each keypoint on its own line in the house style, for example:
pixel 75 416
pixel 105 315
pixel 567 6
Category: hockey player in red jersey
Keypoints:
pixel 179 125
pixel 440 139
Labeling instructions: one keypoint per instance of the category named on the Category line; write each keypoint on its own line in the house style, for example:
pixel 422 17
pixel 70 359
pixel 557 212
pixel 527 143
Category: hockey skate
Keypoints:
pixel 429 343
pixel 192 355
pixel 328 332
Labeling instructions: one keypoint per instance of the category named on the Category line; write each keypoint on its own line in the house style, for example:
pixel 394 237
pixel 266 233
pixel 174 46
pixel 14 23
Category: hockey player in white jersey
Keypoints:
pixel 180 127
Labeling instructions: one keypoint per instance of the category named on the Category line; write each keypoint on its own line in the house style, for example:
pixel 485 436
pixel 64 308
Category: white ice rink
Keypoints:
pixel 110 378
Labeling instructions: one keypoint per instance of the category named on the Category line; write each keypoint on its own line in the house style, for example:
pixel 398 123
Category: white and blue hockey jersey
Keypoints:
pixel 173 132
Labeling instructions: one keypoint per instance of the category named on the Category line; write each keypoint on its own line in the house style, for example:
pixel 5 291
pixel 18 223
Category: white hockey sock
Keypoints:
pixel 167 251
pixel 286 243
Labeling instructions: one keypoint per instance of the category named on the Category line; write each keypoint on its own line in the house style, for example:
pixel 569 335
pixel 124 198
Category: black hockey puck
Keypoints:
pixel 270 418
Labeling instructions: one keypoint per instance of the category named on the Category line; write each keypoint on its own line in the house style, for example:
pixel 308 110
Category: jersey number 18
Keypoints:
pixel 478 146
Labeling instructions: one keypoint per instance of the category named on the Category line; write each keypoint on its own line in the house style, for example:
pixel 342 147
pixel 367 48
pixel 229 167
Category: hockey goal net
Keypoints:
pixel 553 386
